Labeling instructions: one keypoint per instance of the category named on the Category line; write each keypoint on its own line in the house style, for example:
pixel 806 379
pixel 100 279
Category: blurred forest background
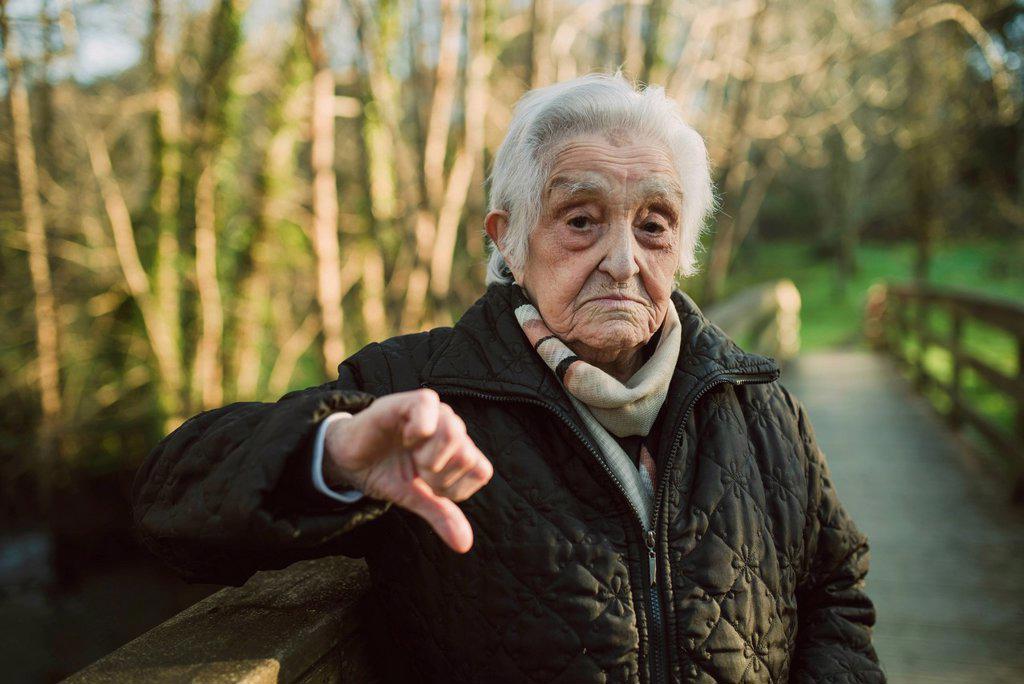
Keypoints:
pixel 218 200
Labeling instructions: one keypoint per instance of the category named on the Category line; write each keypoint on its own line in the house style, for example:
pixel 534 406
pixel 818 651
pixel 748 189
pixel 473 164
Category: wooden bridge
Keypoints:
pixel 947 544
pixel 947 549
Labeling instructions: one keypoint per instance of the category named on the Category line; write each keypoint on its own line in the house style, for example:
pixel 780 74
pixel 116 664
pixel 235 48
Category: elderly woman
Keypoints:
pixel 583 479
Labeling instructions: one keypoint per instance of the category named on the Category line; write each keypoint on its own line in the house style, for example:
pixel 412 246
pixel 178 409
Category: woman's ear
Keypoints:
pixel 496 227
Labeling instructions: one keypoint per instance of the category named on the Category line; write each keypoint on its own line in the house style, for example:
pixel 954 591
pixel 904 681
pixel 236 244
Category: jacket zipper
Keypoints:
pixel 652 596
pixel 658 649
pixel 659 646
pixel 660 636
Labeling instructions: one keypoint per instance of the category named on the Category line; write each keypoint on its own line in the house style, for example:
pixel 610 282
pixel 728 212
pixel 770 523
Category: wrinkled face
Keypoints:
pixel 602 259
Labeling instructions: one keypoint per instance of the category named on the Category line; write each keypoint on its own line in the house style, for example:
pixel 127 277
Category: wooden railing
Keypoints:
pixel 307 623
pixel 897 313
pixel 764 319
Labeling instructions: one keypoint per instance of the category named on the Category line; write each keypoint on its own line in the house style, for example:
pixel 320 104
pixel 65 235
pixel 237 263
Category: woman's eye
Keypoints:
pixel 580 222
pixel 652 227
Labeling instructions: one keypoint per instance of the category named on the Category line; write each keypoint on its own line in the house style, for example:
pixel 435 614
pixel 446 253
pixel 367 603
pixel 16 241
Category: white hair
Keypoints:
pixel 595 103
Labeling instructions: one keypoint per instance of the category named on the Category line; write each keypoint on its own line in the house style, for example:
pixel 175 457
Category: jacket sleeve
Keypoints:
pixel 835 615
pixel 229 492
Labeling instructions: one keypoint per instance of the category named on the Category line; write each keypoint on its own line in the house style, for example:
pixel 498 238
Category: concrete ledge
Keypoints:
pixel 300 624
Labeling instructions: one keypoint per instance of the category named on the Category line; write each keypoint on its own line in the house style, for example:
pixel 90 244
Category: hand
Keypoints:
pixel 411 449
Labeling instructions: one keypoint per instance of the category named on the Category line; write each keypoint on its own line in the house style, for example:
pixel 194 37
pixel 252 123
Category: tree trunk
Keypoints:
pixel 436 181
pixel 383 114
pixel 442 102
pixel 652 39
pixel 633 50
pixel 540 68
pixel 167 141
pixel 45 309
pixel 325 196
pixel 158 327
pixel 470 155
pixel 921 159
pixel 208 376
pixel 374 311
pixel 225 38
pixel 276 174
pixel 738 150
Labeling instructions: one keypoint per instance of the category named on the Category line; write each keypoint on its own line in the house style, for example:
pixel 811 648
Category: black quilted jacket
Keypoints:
pixel 756 572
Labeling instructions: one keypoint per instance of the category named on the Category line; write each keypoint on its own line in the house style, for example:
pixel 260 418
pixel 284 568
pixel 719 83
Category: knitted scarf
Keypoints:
pixel 608 405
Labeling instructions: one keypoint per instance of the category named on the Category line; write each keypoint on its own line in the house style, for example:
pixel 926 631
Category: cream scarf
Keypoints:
pixel 624 409
pixel 608 405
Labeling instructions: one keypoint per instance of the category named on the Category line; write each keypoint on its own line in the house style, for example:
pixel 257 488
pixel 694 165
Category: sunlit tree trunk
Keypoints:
pixel 207 373
pixel 377 28
pixel 541 68
pixel 167 141
pixel 378 179
pixel 433 171
pixel 632 39
pixel 470 154
pixel 222 48
pixel 374 312
pixel 325 194
pixel 158 327
pixel 442 103
pixel 652 40
pixel 294 346
pixel 275 177
pixel 377 169
pixel 45 307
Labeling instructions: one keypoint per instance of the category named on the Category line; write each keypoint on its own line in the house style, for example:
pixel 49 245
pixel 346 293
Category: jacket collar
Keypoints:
pixel 488 353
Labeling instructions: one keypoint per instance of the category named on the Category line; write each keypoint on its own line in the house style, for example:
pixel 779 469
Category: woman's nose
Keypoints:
pixel 620 259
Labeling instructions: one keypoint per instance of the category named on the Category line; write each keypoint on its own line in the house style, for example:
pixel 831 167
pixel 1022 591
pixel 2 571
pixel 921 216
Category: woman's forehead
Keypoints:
pixel 593 164
pixel 569 184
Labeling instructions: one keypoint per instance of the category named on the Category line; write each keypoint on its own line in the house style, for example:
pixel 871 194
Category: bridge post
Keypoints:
pixel 921 336
pixel 1020 381
pixel 1018 490
pixel 903 326
pixel 955 335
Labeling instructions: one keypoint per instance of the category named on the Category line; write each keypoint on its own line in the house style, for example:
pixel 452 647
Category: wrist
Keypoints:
pixel 336 446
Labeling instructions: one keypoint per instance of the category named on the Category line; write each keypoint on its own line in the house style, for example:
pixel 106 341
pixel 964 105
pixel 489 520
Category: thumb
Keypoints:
pixel 446 519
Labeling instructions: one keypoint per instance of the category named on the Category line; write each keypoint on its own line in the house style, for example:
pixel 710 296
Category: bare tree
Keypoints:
pixel 469 157
pixel 167 150
pixel 325 191
pixel 47 350
pixel 216 91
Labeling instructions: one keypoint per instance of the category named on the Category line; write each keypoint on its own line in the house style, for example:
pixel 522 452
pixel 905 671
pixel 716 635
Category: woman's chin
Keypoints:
pixel 610 338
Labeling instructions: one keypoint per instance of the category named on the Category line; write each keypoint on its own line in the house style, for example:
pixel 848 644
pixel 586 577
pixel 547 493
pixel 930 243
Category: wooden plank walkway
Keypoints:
pixel 947 551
